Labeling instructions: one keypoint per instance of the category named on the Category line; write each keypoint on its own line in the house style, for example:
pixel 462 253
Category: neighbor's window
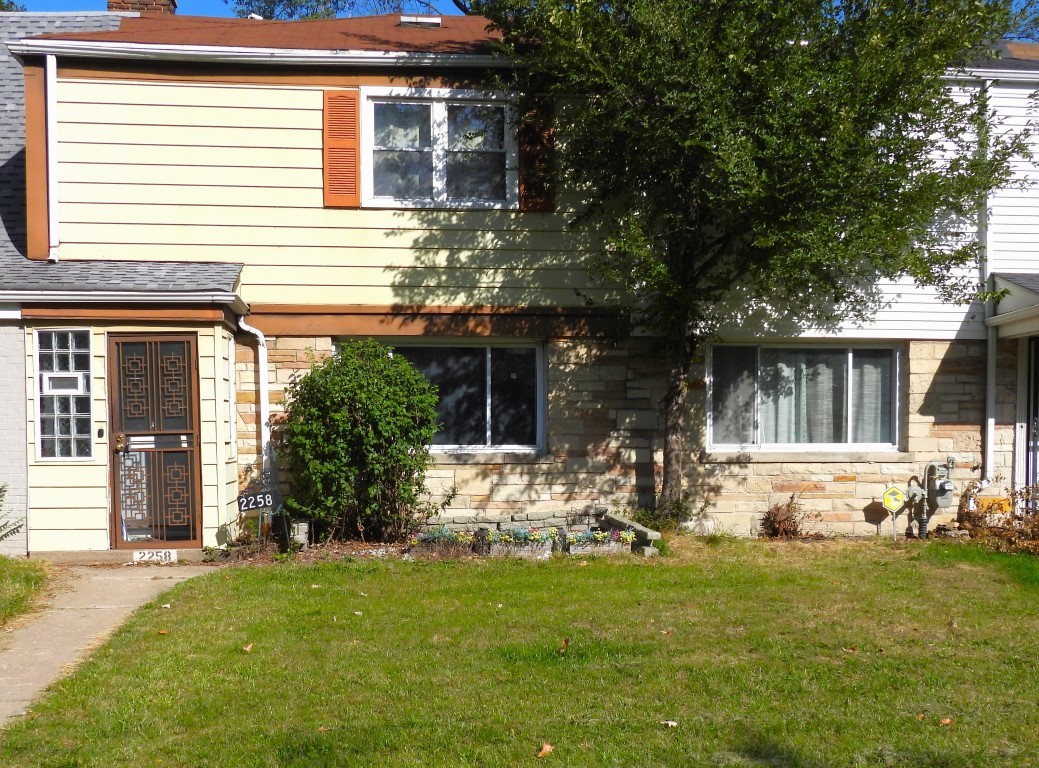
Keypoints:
pixel 772 396
pixel 63 363
pixel 488 395
pixel 435 149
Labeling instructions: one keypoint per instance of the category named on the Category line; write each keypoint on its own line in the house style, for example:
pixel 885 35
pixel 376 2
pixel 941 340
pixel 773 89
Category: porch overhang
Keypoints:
pixel 1017 313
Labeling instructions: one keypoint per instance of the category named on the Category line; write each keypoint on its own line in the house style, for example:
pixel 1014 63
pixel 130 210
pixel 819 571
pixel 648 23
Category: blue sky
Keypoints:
pixel 184 7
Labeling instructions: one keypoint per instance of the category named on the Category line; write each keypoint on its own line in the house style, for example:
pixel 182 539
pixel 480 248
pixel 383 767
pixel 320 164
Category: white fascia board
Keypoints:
pixel 1006 75
pixel 115 297
pixel 10 312
pixel 231 55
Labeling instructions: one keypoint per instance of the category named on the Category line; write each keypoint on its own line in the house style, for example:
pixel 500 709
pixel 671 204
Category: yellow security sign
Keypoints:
pixel 894 498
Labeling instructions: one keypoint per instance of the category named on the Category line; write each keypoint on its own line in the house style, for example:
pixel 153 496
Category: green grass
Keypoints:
pixel 816 655
pixel 20 580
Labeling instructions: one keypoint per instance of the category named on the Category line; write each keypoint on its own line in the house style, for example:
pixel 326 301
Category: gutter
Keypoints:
pixel 51 98
pixel 267 467
pixel 233 301
pixel 241 55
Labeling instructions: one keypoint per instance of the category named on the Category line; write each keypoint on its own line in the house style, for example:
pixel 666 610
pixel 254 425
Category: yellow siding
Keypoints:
pixel 69 500
pixel 151 170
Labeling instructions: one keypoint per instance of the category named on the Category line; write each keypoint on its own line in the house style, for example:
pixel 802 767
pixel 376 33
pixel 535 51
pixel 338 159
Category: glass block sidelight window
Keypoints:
pixel 489 396
pixel 63 365
pixel 803 396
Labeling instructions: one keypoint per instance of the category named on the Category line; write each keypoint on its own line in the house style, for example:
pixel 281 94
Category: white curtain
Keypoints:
pixel 871 395
pixel 803 396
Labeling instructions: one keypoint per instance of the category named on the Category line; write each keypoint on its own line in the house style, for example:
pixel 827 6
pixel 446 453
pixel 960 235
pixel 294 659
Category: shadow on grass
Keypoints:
pixel 1022 568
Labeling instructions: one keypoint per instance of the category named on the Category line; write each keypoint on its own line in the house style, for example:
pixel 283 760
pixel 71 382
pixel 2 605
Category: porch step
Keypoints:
pixel 108 557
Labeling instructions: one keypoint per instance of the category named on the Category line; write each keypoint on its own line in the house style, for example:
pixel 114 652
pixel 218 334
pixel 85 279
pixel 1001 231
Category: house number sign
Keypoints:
pixel 262 500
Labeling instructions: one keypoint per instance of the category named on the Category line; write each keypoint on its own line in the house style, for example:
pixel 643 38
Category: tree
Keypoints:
pixel 11 6
pixel 327 9
pixel 749 155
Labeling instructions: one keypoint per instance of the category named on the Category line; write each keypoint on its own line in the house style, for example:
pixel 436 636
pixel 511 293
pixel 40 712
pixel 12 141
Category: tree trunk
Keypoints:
pixel 675 409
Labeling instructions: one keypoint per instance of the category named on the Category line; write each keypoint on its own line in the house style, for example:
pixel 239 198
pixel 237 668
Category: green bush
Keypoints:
pixel 356 437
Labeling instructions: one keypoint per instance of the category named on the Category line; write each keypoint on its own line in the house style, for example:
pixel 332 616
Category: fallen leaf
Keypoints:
pixel 164 631
pixel 322 729
pixel 566 644
pixel 666 632
pixel 669 723
pixel 364 594
pixel 945 721
pixel 583 562
pixel 358 613
pixel 315 586
pixel 165 605
pixel 853 649
pixel 248 648
pixel 545 750
pixel 921 716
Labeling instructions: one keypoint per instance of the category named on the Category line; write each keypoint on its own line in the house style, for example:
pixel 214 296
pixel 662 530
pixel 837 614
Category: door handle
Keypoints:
pixel 120 443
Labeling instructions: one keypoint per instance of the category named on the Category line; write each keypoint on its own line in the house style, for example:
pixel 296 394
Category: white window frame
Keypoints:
pixel 438 98
pixel 540 391
pixel 232 396
pixel 758 447
pixel 40 385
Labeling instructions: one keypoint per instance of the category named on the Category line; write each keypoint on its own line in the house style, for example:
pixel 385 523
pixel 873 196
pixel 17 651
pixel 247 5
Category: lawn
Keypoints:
pixel 20 580
pixel 820 654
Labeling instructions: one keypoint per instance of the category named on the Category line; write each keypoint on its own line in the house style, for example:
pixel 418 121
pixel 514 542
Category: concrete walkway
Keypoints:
pixel 88 604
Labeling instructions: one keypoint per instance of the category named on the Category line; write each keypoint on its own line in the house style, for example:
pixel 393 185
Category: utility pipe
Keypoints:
pixel 268 468
pixel 988 447
pixel 51 101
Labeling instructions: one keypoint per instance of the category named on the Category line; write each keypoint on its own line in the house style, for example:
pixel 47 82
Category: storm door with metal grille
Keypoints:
pixel 154 438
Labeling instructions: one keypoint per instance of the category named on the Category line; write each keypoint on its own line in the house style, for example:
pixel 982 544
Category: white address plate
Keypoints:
pixel 155 555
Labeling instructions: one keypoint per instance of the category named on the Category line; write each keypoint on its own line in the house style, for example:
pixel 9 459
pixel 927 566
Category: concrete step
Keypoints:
pixel 109 556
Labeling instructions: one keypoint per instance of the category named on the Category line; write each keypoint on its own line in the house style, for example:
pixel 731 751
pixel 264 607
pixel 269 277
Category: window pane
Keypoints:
pixel 461 378
pixel 82 404
pixel 802 394
pixel 47 448
pixel 83 447
pixel 61 340
pixel 872 371
pixel 514 396
pixel 403 175
pixel 476 175
pixel 732 399
pixel 46 340
pixel 47 426
pixel 403 126
pixel 475 127
pixel 81 340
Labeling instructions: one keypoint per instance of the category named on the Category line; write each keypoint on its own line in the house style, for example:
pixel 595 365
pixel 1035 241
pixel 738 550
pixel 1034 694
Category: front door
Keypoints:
pixel 153 382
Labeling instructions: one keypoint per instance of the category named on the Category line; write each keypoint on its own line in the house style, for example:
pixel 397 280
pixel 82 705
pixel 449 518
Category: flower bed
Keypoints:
pixel 523 542
pixel 443 542
pixel 597 542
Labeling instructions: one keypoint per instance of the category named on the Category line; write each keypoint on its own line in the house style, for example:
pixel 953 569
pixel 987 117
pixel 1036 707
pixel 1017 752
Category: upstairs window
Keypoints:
pixel 63 363
pixel 437 148
pixel 433 148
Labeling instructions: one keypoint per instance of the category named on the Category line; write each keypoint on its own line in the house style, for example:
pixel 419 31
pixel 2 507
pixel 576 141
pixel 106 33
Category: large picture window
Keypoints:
pixel 788 396
pixel 433 147
pixel 489 396
pixel 63 363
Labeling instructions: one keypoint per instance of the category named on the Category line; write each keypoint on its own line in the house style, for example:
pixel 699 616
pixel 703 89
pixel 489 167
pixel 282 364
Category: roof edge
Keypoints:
pixel 233 300
pixel 234 55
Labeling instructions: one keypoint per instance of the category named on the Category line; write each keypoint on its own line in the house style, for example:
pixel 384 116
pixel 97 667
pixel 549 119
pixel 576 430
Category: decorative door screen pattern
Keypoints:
pixel 154 431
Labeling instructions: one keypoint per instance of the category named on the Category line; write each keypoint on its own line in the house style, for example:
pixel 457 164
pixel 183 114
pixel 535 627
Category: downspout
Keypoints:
pixel 988 448
pixel 51 100
pixel 267 468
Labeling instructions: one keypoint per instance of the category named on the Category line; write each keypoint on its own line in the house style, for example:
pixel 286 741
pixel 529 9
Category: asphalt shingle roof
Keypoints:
pixel 18 273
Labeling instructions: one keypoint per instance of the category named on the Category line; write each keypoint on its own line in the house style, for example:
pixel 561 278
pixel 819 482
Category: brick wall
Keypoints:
pixel 13 467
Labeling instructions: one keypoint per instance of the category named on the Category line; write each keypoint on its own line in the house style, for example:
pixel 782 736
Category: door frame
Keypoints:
pixel 114 406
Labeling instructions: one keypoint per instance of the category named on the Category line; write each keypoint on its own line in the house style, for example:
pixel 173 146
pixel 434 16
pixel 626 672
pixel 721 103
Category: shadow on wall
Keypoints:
pixel 12 200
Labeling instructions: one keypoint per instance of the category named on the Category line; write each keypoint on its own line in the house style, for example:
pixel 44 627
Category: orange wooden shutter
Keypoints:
pixel 536 145
pixel 342 127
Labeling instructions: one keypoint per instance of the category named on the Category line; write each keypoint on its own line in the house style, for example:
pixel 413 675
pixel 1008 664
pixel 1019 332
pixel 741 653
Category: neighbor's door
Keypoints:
pixel 153 382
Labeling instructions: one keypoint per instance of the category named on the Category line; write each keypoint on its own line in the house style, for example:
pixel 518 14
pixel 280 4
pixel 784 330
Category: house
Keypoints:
pixel 213 203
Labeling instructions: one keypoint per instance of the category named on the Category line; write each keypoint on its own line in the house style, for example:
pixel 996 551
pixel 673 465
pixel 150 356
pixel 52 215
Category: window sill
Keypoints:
pixel 813 457
pixel 449 458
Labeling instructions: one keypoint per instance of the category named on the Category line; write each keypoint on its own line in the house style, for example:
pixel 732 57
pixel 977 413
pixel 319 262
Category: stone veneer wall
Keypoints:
pixel 13 458
pixel 944 412
pixel 604 441
pixel 602 436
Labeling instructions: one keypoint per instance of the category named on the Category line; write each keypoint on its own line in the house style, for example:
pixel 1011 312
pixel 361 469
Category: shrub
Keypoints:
pixel 666 517
pixel 356 437
pixel 8 528
pixel 782 521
